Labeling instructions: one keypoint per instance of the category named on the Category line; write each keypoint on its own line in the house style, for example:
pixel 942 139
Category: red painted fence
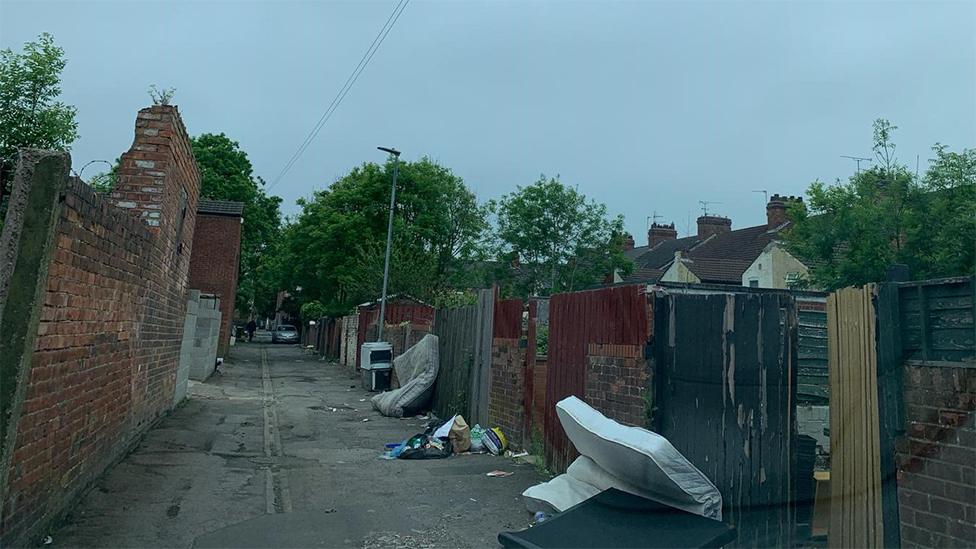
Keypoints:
pixel 617 315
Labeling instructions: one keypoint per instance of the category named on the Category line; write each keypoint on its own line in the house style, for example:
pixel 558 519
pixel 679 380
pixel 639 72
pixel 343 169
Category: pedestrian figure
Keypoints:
pixel 251 326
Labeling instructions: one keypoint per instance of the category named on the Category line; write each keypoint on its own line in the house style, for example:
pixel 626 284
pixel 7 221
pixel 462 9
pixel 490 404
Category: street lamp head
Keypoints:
pixel 390 150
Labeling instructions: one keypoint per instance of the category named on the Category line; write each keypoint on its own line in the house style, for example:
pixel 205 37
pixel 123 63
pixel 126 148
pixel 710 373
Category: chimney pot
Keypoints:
pixel 713 224
pixel 660 232
pixel 776 210
pixel 628 242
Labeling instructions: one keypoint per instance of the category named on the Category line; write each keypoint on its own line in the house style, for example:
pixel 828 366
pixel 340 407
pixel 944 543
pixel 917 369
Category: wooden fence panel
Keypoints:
pixel 726 371
pixel 456 330
pixel 481 367
pixel 855 461
pixel 938 320
pixel 812 383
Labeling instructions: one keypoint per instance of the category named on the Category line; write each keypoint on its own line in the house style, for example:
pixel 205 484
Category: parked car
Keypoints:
pixel 285 333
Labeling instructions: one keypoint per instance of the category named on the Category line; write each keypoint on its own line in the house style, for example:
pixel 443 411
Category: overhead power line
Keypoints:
pixel 350 81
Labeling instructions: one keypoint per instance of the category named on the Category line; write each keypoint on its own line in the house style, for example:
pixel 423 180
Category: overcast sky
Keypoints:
pixel 645 106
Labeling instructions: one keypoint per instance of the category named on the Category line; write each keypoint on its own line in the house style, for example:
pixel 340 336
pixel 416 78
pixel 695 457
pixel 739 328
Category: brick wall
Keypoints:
pixel 214 265
pixel 506 407
pixel 937 458
pixel 617 380
pixel 105 356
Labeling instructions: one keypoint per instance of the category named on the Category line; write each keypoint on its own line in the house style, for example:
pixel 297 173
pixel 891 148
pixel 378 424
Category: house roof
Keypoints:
pixel 644 274
pixel 724 257
pixel 651 262
pixel 220 207
pixel 717 270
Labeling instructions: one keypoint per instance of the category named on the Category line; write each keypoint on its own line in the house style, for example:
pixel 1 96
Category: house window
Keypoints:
pixel 753 282
pixel 792 280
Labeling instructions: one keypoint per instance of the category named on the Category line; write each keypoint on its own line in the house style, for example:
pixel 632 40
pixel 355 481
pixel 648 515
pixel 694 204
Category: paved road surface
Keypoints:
pixel 274 452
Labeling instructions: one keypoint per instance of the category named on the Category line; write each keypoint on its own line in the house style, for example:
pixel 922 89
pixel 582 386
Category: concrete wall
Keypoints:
pixel 811 421
pixel 186 346
pixel 772 268
pixel 214 266
pixel 91 325
pixel 348 341
pixel 205 339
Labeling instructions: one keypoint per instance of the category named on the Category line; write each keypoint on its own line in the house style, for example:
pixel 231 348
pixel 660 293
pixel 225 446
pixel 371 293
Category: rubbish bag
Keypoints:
pixel 495 441
pixel 477 439
pixel 460 435
pixel 424 446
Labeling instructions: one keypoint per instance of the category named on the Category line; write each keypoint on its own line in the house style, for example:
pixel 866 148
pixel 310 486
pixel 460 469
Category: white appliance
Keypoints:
pixel 376 363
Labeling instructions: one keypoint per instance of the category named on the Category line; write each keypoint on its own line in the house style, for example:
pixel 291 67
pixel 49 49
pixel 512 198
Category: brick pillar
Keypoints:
pixel 160 147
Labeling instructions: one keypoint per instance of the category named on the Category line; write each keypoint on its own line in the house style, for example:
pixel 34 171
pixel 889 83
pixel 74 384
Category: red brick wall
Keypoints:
pixel 617 380
pixel 506 407
pixel 214 266
pixel 937 458
pixel 107 350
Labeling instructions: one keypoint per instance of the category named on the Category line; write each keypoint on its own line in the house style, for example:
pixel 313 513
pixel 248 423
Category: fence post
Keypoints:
pixel 890 405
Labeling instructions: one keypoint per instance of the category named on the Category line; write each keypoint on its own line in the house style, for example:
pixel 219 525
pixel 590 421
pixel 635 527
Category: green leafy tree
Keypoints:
pixel 552 239
pixel 30 84
pixel 104 182
pixel 313 310
pixel 850 232
pixel 335 248
pixel 226 174
pixel 30 113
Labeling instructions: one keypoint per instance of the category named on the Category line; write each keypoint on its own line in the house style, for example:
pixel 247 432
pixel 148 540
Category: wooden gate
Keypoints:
pixel 726 398
pixel 464 348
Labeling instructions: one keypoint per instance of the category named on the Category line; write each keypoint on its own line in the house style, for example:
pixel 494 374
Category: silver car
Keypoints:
pixel 284 334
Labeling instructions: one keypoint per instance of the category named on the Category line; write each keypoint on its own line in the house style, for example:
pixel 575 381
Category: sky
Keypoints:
pixel 648 107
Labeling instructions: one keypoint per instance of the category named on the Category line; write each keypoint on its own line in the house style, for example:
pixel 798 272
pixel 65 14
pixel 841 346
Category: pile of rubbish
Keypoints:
pixel 629 459
pixel 443 439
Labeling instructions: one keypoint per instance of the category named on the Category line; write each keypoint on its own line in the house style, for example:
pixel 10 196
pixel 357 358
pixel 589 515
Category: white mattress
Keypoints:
pixel 628 458
pixel 417 371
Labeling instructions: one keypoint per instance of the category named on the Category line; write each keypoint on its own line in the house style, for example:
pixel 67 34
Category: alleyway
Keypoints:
pixel 275 452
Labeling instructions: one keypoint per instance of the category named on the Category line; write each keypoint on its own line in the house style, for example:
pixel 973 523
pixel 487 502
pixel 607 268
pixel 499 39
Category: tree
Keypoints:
pixel 556 240
pixel 30 83
pixel 335 248
pixel 849 233
pixel 226 174
pixel 30 115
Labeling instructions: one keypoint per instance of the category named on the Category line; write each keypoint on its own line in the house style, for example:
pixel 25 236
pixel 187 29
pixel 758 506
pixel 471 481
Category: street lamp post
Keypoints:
pixel 389 238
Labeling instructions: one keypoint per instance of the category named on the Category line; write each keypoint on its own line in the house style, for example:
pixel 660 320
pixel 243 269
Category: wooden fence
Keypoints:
pixel 464 348
pixel 855 483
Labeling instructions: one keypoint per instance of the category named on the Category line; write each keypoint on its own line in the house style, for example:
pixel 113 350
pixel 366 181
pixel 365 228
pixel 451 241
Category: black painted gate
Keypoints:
pixel 726 398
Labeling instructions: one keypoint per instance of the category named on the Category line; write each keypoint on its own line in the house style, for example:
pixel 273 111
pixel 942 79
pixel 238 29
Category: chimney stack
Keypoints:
pixel 713 224
pixel 660 232
pixel 628 241
pixel 776 213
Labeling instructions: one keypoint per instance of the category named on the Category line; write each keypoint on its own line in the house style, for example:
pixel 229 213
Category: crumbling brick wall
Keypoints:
pixel 506 408
pixel 109 321
pixel 617 381
pixel 937 458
